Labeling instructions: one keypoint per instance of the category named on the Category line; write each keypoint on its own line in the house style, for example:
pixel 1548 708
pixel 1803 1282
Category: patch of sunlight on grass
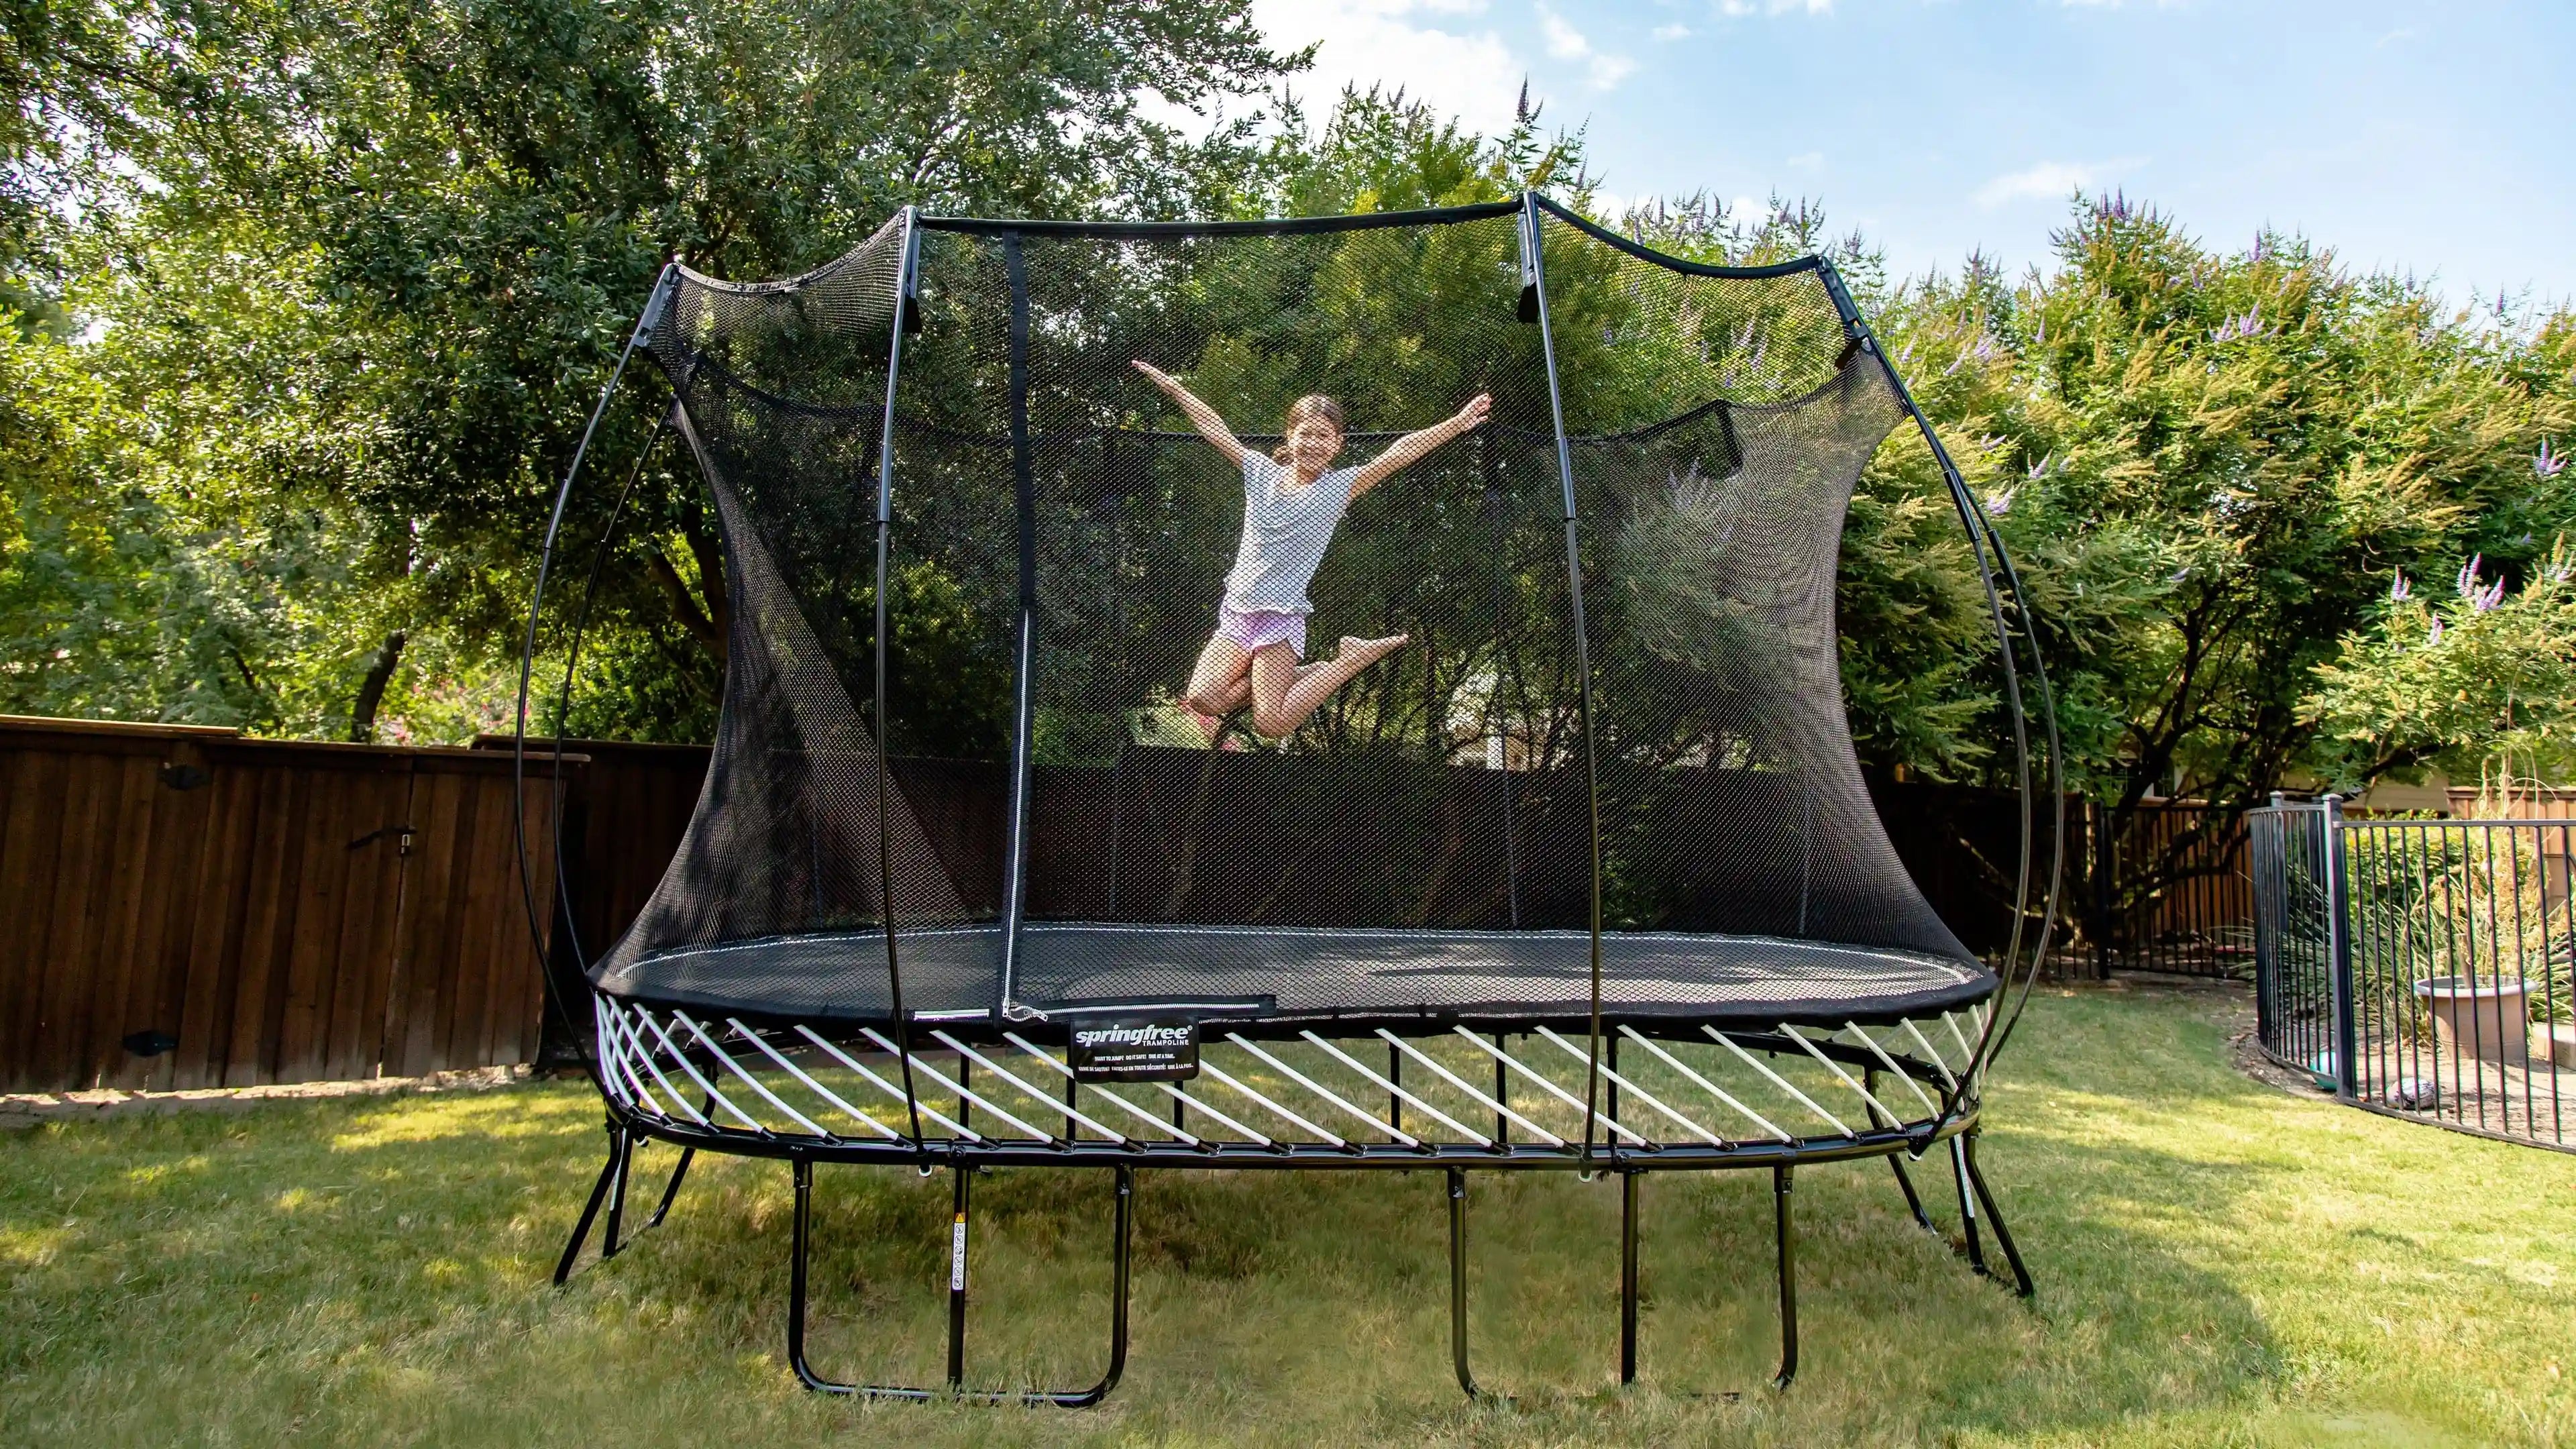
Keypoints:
pixel 2219 1264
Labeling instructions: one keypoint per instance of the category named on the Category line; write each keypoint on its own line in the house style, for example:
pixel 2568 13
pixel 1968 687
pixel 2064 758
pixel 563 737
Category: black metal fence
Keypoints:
pixel 2170 890
pixel 2421 967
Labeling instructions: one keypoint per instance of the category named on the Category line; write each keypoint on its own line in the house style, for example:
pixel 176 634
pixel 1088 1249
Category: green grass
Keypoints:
pixel 2219 1264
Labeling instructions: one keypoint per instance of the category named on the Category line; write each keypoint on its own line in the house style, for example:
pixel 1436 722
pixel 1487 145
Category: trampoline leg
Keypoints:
pixel 1628 1277
pixel 1458 1282
pixel 679 1172
pixel 957 1282
pixel 608 1243
pixel 1967 1205
pixel 1121 1258
pixel 1788 1276
pixel 671 1191
pixel 2003 1235
pixel 589 1211
pixel 1913 1199
pixel 1904 1182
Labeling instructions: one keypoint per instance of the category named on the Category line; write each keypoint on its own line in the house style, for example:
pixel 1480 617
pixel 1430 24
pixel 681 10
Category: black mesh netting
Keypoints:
pixel 1066 828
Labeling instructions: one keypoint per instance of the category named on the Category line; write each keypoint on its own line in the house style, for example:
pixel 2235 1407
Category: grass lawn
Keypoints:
pixel 2219 1263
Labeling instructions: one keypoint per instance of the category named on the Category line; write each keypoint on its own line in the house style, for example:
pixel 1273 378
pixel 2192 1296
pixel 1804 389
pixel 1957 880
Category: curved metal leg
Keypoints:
pixel 590 1211
pixel 1788 1276
pixel 625 1158
pixel 1904 1180
pixel 802 1237
pixel 2003 1235
pixel 679 1172
pixel 1967 1206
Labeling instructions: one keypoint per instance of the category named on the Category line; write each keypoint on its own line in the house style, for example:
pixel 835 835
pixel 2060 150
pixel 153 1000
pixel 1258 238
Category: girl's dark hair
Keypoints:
pixel 1314 407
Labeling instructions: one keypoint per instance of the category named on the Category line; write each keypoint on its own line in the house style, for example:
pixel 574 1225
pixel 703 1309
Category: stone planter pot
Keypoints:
pixel 2488 1020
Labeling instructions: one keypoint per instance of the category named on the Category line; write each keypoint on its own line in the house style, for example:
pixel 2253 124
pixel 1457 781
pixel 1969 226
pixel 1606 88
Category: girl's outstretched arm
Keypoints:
pixel 1201 416
pixel 1413 447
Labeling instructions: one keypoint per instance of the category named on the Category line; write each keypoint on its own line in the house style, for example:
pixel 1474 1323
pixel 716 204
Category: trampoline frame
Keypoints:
pixel 636 1114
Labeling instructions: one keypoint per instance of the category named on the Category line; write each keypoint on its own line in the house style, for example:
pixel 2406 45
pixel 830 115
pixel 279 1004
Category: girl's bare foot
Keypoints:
pixel 1363 652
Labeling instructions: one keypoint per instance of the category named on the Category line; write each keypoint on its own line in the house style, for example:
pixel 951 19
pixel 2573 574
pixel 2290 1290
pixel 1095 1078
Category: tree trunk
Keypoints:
pixel 371 690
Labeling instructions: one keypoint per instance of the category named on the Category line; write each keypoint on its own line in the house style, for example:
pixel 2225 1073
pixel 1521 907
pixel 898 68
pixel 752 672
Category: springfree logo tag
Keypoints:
pixel 1135 1049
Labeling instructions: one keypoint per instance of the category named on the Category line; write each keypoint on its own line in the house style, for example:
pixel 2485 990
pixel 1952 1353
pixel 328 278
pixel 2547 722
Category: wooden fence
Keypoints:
pixel 182 907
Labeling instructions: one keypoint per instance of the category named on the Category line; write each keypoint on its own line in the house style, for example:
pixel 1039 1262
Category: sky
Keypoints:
pixel 2436 138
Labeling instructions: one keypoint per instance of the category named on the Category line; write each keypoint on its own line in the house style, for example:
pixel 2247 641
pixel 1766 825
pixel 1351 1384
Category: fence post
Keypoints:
pixel 2339 953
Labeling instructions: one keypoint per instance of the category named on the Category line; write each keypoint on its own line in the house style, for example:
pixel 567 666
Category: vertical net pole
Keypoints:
pixel 1024 490
pixel 903 300
pixel 1534 270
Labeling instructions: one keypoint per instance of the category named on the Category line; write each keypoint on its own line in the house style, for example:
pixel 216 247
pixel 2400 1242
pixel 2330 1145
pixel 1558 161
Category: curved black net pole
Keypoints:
pixel 1534 289
pixel 885 737
pixel 642 334
pixel 1982 537
pixel 572 667
pixel 2056 782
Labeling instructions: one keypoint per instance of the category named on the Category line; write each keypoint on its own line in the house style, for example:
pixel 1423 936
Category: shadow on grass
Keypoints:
pixel 375 1272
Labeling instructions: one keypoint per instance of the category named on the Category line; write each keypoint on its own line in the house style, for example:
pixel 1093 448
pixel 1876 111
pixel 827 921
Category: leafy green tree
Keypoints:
pixel 2474 679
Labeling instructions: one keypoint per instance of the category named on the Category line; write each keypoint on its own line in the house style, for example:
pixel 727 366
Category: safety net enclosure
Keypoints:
pixel 1057 833
pixel 1289 693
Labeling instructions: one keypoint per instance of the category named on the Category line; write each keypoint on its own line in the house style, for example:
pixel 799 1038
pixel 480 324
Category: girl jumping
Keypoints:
pixel 1291 506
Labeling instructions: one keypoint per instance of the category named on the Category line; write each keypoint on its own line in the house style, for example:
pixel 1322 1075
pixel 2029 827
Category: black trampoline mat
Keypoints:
pixel 1297 973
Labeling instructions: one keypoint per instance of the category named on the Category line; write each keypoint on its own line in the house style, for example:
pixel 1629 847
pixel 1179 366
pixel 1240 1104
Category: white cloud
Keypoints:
pixel 1401 43
pixel 1740 8
pixel 1670 33
pixel 2053 180
pixel 1567 43
pixel 1806 161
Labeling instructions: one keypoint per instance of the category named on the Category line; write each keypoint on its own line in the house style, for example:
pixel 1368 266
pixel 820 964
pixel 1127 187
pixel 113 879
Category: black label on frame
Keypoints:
pixel 1135 1049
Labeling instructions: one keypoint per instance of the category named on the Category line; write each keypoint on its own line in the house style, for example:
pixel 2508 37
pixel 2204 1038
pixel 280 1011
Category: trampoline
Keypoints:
pixel 1034 835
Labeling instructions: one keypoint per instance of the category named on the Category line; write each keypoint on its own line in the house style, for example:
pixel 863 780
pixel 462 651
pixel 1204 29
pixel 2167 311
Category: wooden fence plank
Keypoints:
pixel 215 932
pixel 73 938
pixel 267 921
pixel 121 927
pixel 31 848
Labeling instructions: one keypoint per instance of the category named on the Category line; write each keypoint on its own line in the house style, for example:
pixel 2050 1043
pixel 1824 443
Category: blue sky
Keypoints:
pixel 2430 137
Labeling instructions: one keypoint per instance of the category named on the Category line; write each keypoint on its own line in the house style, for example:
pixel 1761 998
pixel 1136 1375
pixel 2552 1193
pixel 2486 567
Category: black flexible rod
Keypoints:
pixel 1536 268
pixel 885 739
pixel 528 651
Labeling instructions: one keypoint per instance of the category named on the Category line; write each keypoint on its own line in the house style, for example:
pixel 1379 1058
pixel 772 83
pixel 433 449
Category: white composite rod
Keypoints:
pixel 748 1080
pixel 1097 1090
pixel 889 1088
pixel 1836 1068
pixel 1783 1083
pixel 689 1067
pixel 628 1049
pixel 1217 1073
pixel 1194 1104
pixel 1947 1076
pixel 1455 1080
pixel 927 1070
pixel 1320 1090
pixel 1888 1062
pixel 1354 1064
pixel 817 1088
pixel 1712 1088
pixel 1632 1089
pixel 1032 1093
pixel 1551 1088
